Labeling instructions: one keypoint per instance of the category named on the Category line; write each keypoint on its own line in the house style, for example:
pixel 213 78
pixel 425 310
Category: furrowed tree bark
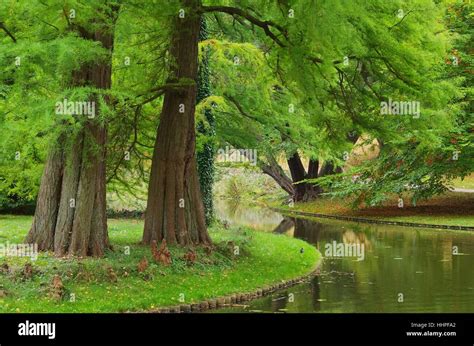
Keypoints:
pixel 175 210
pixel 69 186
pixel 70 216
pixel 44 222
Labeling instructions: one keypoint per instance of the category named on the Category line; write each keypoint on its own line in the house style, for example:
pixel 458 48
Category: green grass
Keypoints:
pixel 433 219
pixel 264 259
pixel 451 208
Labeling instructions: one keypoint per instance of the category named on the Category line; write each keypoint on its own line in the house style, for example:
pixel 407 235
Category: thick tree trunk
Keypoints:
pixel 87 216
pixel 175 210
pixel 44 223
pixel 69 186
pixel 303 191
pixel 70 212
pixel 273 169
pixel 329 169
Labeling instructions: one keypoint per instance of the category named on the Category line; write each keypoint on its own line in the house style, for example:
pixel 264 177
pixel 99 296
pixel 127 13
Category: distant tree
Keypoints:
pixel 316 96
pixel 423 160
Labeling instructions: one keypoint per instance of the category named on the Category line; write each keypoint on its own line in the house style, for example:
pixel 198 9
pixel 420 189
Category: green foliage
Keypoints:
pixel 333 70
pixel 425 159
pixel 305 84
pixel 243 182
pixel 37 70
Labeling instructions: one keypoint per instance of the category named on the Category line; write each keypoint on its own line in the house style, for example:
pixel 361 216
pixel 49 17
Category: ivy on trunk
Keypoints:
pixel 205 157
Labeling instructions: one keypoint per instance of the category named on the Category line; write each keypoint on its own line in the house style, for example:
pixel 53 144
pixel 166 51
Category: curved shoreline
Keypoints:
pixel 235 299
pixel 381 222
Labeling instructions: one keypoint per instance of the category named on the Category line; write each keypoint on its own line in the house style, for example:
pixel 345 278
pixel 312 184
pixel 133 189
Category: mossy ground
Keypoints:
pixel 263 259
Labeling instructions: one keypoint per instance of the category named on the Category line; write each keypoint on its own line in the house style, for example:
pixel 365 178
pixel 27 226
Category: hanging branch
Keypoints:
pixel 265 25
pixel 160 90
pixel 4 28
pixel 401 20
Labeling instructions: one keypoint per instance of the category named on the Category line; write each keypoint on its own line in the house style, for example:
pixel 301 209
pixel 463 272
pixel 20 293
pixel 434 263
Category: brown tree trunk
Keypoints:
pixel 70 211
pixel 274 170
pixel 44 223
pixel 175 210
pixel 303 191
pixel 329 169
pixel 70 181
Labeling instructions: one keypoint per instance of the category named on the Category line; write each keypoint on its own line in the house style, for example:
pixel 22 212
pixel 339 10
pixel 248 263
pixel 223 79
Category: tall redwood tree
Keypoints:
pixel 70 215
pixel 175 209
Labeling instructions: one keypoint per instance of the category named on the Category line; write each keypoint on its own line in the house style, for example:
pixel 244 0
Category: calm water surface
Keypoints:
pixel 417 263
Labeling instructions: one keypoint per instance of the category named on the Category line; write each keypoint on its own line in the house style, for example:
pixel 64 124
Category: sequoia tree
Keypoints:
pixel 70 215
pixel 175 210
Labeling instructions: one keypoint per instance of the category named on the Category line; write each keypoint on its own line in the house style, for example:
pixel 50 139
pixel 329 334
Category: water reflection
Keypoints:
pixel 415 262
pixel 237 214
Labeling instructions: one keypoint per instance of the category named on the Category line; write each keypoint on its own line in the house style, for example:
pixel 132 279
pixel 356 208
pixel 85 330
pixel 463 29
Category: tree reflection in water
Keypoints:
pixel 417 262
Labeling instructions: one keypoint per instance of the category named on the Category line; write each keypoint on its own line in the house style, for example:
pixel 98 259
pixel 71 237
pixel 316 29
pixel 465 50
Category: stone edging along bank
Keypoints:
pixel 382 222
pixel 236 298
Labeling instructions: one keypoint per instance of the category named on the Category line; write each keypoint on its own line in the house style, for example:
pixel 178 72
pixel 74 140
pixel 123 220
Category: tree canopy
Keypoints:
pixel 303 82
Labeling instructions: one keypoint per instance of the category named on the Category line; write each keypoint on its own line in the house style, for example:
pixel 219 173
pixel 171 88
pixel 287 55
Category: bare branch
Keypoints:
pixel 401 20
pixel 265 25
pixel 240 108
pixel 160 90
pixel 4 28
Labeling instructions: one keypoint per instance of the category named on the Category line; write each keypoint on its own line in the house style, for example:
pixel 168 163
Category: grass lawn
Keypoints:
pixel 114 284
pixel 452 208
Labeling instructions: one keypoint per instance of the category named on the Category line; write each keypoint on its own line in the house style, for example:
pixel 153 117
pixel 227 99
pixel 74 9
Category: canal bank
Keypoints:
pixel 405 269
pixel 241 262
pixel 291 212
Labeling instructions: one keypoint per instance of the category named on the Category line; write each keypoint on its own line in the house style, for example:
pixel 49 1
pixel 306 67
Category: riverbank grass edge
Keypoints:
pixel 241 260
pixel 450 209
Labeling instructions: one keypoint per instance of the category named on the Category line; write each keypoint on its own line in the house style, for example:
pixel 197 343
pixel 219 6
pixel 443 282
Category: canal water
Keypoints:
pixel 366 267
